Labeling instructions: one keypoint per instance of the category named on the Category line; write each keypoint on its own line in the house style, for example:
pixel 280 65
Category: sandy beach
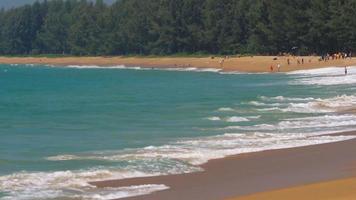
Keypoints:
pixel 344 189
pixel 251 173
pixel 243 64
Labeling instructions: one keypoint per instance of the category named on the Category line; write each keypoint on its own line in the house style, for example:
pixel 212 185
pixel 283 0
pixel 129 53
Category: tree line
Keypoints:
pixel 165 27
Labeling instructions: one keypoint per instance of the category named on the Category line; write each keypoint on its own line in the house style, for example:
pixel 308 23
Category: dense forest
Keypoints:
pixel 163 27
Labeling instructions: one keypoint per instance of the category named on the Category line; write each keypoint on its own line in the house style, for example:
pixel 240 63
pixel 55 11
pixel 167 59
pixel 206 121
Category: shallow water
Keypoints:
pixel 62 127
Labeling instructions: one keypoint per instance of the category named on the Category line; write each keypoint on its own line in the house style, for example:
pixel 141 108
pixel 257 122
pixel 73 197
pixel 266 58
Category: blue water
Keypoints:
pixel 95 114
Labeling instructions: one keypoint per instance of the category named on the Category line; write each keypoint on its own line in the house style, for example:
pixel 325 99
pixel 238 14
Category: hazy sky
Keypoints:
pixel 13 3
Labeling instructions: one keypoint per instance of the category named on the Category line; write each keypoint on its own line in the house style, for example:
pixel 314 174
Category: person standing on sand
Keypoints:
pixel 222 63
pixel 279 67
pixel 288 61
pixel 271 68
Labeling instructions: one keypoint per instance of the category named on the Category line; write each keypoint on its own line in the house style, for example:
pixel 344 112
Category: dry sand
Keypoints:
pixel 252 173
pixel 344 189
pixel 243 64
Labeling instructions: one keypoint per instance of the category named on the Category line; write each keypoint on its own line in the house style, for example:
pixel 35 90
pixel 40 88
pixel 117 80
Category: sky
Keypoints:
pixel 14 3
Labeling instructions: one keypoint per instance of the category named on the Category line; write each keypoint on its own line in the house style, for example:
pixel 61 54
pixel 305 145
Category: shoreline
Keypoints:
pixel 259 172
pixel 251 64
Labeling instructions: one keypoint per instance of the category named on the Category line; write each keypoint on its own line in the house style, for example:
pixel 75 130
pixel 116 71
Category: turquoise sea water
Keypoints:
pixel 61 127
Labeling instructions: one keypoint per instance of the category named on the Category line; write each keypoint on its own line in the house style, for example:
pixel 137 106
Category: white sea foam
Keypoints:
pixel 323 71
pixel 260 104
pixel 254 117
pixel 284 99
pixel 214 118
pixel 343 122
pixel 324 76
pixel 226 109
pixel 234 118
pixel 237 119
pixel 329 80
pixel 62 157
pixel 310 105
pixel 240 72
pixel 199 151
pixel 338 103
pixel 182 69
pixel 101 67
pixel 191 69
pixel 71 185
pixel 270 109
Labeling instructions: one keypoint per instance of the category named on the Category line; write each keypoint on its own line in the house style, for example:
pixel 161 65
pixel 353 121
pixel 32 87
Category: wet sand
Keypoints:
pixel 252 173
pixel 242 64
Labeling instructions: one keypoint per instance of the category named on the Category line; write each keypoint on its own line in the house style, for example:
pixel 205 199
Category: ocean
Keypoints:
pixel 62 127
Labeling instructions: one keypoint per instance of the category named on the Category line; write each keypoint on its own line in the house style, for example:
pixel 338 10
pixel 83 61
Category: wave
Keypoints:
pixel 234 118
pixel 283 99
pixel 257 103
pixel 308 105
pixel 71 184
pixel 324 76
pixel 214 118
pixel 199 151
pixel 335 104
pixel 226 109
pixel 323 71
pixel 341 122
pixel 185 156
pixel 237 119
pixel 182 69
pixel 101 67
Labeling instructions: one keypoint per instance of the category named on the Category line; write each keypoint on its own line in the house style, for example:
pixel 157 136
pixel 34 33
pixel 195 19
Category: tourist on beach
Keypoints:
pixel 271 68
pixel 345 70
pixel 222 62
pixel 302 61
pixel 288 61
pixel 279 67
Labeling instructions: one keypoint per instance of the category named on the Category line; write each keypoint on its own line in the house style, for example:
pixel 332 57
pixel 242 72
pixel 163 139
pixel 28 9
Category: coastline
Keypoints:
pixel 261 172
pixel 243 64
pixel 246 174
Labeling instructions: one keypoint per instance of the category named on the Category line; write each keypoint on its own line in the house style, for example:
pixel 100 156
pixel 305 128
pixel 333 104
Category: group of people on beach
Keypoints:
pixel 336 56
pixel 300 60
